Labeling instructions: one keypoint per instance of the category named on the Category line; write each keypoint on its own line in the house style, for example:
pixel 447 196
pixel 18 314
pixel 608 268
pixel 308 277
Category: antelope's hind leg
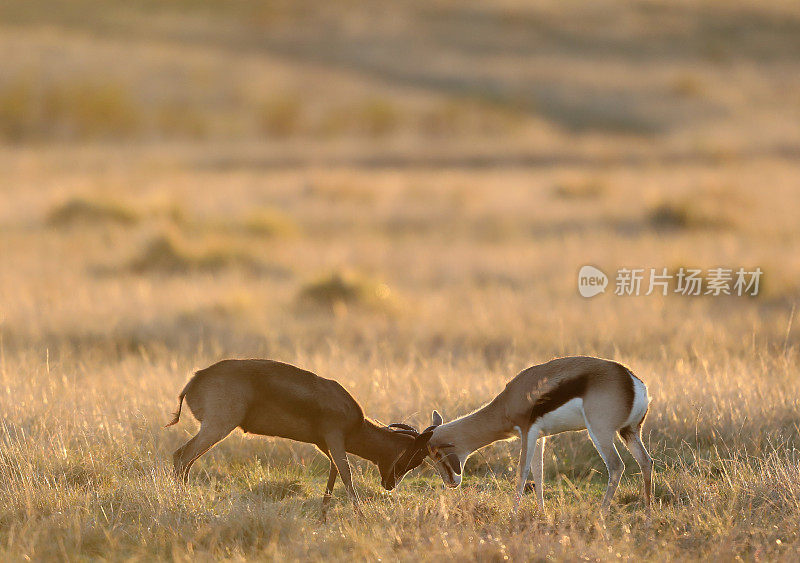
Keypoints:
pixel 208 435
pixel 603 440
pixel 633 441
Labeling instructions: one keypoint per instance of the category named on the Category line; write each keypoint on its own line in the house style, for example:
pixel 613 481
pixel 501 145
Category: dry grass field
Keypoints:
pixel 397 195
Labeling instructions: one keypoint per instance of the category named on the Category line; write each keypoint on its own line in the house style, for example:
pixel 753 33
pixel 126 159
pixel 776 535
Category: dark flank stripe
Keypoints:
pixel 559 395
pixel 575 387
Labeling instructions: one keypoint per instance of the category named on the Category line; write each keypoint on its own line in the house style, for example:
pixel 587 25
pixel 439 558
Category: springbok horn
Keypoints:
pixel 402 426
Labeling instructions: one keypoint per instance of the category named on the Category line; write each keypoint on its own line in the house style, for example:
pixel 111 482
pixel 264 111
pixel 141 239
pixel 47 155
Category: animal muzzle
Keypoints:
pixel 450 478
pixel 388 484
pixel 454 482
pixel 391 480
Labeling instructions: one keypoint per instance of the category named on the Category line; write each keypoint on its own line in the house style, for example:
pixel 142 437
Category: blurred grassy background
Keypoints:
pixel 397 195
pixel 709 75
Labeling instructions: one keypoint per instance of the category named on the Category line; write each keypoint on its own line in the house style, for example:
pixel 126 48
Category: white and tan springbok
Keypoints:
pixel 565 394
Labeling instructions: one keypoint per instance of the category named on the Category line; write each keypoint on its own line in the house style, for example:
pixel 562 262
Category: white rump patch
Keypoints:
pixel 640 403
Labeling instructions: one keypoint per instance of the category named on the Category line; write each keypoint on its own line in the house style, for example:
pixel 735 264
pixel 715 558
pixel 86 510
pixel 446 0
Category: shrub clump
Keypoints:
pixel 83 211
pixel 72 110
pixel 281 117
pixel 341 289
pixel 586 189
pixel 270 222
pixel 164 254
pixel 685 215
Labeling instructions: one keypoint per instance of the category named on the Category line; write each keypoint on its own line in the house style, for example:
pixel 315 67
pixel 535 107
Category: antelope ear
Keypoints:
pixel 436 418
pixel 419 450
pixel 422 440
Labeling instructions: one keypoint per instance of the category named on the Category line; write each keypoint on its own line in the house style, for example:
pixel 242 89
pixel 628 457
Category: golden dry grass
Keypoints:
pixel 91 364
pixel 411 225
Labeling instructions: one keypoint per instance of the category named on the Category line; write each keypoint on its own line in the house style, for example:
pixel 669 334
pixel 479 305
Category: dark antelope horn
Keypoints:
pixel 418 447
pixel 402 426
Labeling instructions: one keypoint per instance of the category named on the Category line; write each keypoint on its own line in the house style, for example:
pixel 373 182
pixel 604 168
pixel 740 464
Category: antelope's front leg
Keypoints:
pixel 336 447
pixel 538 471
pixel 326 500
pixel 527 446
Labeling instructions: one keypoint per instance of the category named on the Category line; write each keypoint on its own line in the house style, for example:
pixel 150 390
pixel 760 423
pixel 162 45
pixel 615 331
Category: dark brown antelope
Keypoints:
pixel 275 399
pixel 565 394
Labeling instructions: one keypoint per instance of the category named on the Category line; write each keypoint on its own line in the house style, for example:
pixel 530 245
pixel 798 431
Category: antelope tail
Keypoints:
pixel 176 416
